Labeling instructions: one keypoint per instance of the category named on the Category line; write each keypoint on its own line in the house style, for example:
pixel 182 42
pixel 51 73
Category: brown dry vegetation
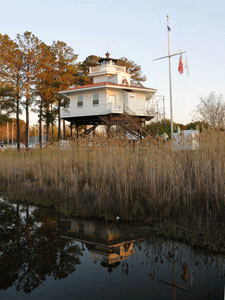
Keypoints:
pixel 181 193
pixel 113 178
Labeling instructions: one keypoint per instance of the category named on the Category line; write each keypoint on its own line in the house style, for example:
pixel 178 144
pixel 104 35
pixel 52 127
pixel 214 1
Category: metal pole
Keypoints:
pixel 170 82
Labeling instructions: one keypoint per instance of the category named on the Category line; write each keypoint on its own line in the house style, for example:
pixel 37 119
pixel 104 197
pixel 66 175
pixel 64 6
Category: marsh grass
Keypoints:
pixel 109 178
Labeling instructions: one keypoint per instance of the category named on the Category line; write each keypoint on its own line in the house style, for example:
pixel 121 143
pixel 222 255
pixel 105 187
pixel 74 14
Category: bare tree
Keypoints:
pixel 211 110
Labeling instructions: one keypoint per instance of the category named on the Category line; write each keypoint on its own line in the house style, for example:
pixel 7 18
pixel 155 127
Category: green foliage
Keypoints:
pixel 196 125
pixel 64 65
pixel 163 126
pixel 34 73
pixel 65 71
pixel 92 60
pixel 132 68
pixel 7 104
pixel 11 74
pixel 28 45
pixel 83 69
pixel 11 65
pixel 46 88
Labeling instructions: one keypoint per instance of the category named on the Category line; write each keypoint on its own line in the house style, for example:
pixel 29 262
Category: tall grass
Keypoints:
pixel 110 178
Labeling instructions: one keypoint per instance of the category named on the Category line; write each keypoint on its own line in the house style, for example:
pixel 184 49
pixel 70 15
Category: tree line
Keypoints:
pixel 32 73
pixel 209 113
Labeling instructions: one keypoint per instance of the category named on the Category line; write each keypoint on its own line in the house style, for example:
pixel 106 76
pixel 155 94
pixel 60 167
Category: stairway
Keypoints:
pixel 87 131
pixel 129 122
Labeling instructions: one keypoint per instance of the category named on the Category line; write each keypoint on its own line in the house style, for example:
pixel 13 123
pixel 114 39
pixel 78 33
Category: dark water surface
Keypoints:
pixel 46 256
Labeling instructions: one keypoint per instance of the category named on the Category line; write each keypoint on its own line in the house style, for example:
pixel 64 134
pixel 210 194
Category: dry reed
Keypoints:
pixel 109 178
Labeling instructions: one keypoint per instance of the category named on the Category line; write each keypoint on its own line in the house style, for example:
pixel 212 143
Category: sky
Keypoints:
pixel 136 29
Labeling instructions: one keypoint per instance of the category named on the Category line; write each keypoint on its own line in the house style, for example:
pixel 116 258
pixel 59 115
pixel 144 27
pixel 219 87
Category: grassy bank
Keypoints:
pixel 113 178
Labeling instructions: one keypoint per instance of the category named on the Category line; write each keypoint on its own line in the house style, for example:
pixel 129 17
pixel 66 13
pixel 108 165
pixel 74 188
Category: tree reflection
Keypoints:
pixel 31 253
pixel 32 250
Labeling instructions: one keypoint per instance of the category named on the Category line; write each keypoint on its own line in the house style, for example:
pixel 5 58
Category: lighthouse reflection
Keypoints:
pixel 38 247
pixel 107 243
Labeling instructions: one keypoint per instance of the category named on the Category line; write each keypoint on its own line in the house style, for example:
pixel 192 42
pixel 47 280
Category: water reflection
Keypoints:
pixel 32 249
pixel 98 260
pixel 108 243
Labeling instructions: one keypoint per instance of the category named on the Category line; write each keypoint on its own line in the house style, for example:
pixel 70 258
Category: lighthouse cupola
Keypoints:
pixel 109 71
pixel 107 60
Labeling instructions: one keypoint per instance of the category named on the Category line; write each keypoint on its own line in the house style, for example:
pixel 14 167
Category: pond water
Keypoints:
pixel 46 256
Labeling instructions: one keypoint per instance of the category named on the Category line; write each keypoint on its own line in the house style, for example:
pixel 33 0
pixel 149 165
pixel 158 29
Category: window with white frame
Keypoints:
pixel 80 101
pixel 95 99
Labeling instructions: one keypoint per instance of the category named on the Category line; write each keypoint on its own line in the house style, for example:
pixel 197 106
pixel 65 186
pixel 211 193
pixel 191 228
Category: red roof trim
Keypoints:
pixel 86 86
pixel 104 84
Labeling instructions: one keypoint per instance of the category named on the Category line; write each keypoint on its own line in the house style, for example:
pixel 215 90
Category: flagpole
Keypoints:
pixel 170 73
pixel 170 81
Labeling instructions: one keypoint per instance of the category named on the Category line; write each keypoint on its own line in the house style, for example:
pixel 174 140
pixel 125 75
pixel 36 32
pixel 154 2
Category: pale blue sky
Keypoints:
pixel 137 30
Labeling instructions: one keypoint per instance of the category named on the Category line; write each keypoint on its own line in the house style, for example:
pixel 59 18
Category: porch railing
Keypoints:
pixel 101 109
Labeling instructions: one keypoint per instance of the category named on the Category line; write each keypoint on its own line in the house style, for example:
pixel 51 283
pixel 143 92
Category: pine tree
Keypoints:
pixel 65 72
pixel 92 61
pixel 7 104
pixel 28 44
pixel 11 75
pixel 132 68
pixel 83 69
pixel 45 90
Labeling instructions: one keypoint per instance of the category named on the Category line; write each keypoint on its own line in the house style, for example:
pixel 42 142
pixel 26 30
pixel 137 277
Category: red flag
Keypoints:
pixel 181 66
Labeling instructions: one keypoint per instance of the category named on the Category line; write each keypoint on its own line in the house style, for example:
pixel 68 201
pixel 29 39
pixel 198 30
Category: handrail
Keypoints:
pixel 126 108
pixel 104 68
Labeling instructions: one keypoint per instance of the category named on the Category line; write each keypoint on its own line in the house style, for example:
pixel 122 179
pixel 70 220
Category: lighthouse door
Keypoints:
pixel 115 102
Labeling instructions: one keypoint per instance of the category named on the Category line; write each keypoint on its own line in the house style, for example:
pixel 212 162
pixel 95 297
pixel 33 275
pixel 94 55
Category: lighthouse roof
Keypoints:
pixel 107 58
pixel 108 85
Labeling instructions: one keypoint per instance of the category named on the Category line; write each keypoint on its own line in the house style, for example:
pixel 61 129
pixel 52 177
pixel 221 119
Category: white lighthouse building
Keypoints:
pixel 110 100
